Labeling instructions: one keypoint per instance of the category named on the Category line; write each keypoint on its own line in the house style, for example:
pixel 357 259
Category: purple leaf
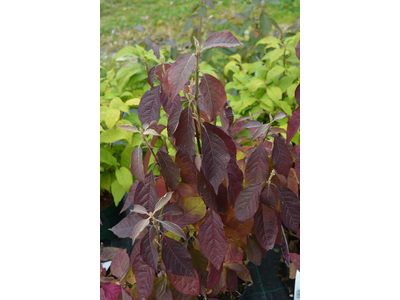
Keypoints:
pixel 144 274
pixel 257 167
pixel 293 125
pixel 151 76
pixel 223 39
pixel 170 106
pixel 178 74
pixel 156 50
pixel 131 195
pixel 146 193
pixel 111 290
pixel 125 295
pixel 235 178
pixel 210 3
pixel 137 164
pixel 290 208
pixel 184 134
pixel 226 117
pixel 205 189
pixel 148 251
pixel 168 169
pixel 163 201
pixel 213 243
pixel 281 156
pixel 214 275
pixel 213 95
pixel 173 119
pixel 297 94
pixel 247 203
pixel 172 209
pixel 253 252
pixel 124 228
pixel 139 209
pixel 297 167
pixel 280 115
pixel 298 51
pixel 215 158
pixel 295 258
pixel 150 105
pixel 265 226
pixel 268 196
pixel 185 284
pixel 231 280
pixel 176 258
pixel 262 130
pixel 188 169
pixel 139 227
pixel 120 264
pixel 175 229
pixel 129 128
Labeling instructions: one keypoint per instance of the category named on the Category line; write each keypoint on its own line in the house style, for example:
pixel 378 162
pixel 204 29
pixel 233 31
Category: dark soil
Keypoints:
pixel 105 200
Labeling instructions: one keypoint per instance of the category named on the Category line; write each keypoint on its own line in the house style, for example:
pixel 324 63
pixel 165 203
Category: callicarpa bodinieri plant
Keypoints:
pixel 220 202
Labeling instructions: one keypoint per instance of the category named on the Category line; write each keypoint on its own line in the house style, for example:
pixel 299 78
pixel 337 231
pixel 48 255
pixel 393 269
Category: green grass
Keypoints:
pixel 166 18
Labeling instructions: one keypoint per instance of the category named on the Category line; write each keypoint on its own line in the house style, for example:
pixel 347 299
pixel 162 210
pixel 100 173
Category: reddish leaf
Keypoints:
pixel 268 196
pixel 206 191
pixel 193 211
pixel 126 294
pixel 214 275
pixel 144 274
pixel 160 71
pixel 137 164
pixel 226 116
pixel 297 167
pixel 178 74
pixel 156 50
pixel 131 196
pixel 111 290
pixel 295 258
pixel 247 203
pixel 293 125
pixel 148 251
pixel 253 252
pixel 139 228
pixel 281 156
pixel 188 169
pixel 213 95
pixel 290 208
pixel 265 227
pixel 257 167
pixel 173 119
pixel 162 291
pixel 151 76
pixel 231 280
pixel 235 253
pixel 234 229
pixel 124 228
pixel 175 229
pixel 102 294
pixel 235 178
pixel 168 169
pixel 292 182
pixel 223 39
pixel 146 193
pixel 261 130
pixel 213 243
pixel 185 284
pixel 298 50
pixel 120 263
pixel 215 158
pixel 184 133
pixel 297 94
pixel 176 258
pixel 149 106
pixel 200 264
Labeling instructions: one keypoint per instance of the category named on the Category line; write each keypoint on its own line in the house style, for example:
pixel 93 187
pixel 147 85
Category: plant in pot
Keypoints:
pixel 213 201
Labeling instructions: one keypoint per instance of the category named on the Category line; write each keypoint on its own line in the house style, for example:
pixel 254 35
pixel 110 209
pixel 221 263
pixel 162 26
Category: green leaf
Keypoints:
pixel 285 82
pixel 129 51
pixel 265 23
pixel 117 191
pixel 105 181
pixel 285 107
pixel 273 55
pixel 255 84
pixel 113 135
pixel 107 157
pixel 270 40
pixel 274 93
pixel 117 103
pixel 124 177
pixel 111 117
pixel 275 71
pixel 188 23
pixel 291 89
pixel 202 11
pixel 110 74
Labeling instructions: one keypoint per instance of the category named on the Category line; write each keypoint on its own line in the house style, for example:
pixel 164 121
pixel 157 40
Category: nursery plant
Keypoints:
pixel 213 200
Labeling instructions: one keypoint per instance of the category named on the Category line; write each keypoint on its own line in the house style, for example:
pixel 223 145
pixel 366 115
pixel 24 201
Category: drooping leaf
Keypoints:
pixel 293 125
pixel 214 275
pixel 146 193
pixel 223 39
pixel 169 170
pixel 268 196
pixel 194 210
pixel 215 158
pixel 144 274
pixel 124 228
pixel 297 94
pixel 148 251
pixel 281 156
pixel 173 119
pixel 139 227
pixel 178 74
pixel 213 95
pixel 257 167
pixel 253 252
pixel 175 229
pixel 184 133
pixel 120 263
pixel 189 285
pixel 172 209
pixel 290 208
pixel 235 253
pixel 265 225
pixel 176 258
pixel 137 164
pixel 213 243
pixel 265 23
pixel 149 106
pixel 247 203
pixel 188 168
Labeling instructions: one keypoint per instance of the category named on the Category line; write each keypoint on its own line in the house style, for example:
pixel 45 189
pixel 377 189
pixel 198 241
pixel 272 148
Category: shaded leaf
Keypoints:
pixel 257 167
pixel 176 258
pixel 148 251
pixel 124 228
pixel 213 95
pixel 265 23
pixel 253 252
pixel 295 258
pixel 149 106
pixel 234 229
pixel 188 169
pixel 213 243
pixel 131 195
pixel 262 130
pixel 170 106
pixel 184 134
pixel 146 193
pixel 173 119
pixel 194 210
pixel 185 284
pixel 168 169
pixel 293 125
pixel 265 226
pixel 215 158
pixel 111 290
pixel 139 227
pixel 226 116
pixel 137 164
pixel 151 76
pixel 214 275
pixel 205 189
pixel 281 156
pixel 144 274
pixel 268 196
pixel 297 94
pixel 292 182
pixel 175 229
pixel 223 39
pixel 290 208
pixel 163 201
pixel 247 203
pixel 120 263
pixel 210 3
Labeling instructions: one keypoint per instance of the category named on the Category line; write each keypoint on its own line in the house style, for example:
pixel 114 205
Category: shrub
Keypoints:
pixel 213 201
